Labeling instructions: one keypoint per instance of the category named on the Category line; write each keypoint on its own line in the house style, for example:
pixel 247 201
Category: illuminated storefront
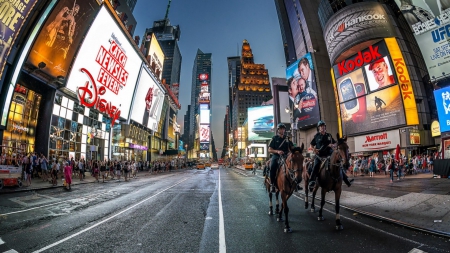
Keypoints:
pixel 129 142
pixel 19 136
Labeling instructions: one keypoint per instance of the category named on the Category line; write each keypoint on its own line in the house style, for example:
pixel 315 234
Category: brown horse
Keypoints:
pixel 288 177
pixel 277 194
pixel 329 178
pixel 305 176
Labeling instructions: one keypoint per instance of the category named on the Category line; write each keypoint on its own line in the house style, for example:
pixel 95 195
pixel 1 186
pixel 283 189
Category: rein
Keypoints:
pixel 290 172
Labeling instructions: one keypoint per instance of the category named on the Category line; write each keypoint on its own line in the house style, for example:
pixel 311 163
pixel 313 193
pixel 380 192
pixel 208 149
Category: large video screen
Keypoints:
pixel 442 99
pixel 204 133
pixel 369 96
pixel 106 67
pixel 148 101
pixel 302 90
pixel 61 35
pixel 428 21
pixel 260 123
pixel 204 114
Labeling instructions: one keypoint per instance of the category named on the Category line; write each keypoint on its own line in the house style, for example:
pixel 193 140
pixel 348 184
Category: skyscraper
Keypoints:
pixel 202 66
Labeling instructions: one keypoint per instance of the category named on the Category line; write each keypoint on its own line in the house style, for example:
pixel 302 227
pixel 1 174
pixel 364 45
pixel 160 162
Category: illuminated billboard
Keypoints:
pixel 12 18
pixel 442 99
pixel 260 123
pixel 302 90
pixel 62 33
pixel 430 22
pixel 148 101
pixel 204 114
pixel 373 95
pixel 204 133
pixel 355 24
pixel 204 146
pixel 205 97
pixel 156 57
pixel 106 68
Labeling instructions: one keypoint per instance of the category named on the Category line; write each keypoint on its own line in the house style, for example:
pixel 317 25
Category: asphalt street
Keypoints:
pixel 222 210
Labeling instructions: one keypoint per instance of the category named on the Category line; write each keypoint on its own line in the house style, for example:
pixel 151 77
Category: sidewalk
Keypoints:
pixel 38 184
pixel 417 201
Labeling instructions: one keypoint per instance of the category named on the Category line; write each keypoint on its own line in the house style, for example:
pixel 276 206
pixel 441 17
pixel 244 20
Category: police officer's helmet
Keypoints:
pixel 321 123
pixel 281 125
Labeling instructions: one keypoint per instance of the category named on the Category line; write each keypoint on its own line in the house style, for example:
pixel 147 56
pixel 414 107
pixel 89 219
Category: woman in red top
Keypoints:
pixel 68 174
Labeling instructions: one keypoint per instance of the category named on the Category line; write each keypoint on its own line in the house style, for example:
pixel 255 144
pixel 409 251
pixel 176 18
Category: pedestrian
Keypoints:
pixel 125 171
pixel 95 170
pixel 372 167
pixel 54 173
pixel 401 163
pixel 254 168
pixel 28 173
pixel 68 175
pixel 357 162
pixel 391 168
pixel 103 170
pixel 118 169
pixel 43 164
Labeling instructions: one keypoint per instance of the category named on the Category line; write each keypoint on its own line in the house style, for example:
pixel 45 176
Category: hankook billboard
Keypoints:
pixel 354 24
pixel 430 24
pixel 373 90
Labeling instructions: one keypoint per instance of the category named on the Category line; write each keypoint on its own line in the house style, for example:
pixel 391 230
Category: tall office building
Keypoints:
pixel 124 9
pixel 234 70
pixel 251 88
pixel 201 76
pixel 168 36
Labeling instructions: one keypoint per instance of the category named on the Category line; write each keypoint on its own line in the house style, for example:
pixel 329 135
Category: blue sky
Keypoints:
pixel 218 27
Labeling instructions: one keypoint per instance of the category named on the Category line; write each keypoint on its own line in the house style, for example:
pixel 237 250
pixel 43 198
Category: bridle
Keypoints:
pixel 290 172
pixel 339 157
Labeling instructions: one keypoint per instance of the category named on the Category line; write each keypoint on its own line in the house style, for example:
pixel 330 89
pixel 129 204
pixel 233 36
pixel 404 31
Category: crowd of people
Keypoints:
pixel 36 165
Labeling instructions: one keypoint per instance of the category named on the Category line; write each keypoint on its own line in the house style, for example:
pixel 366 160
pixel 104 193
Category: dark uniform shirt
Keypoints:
pixel 276 142
pixel 320 141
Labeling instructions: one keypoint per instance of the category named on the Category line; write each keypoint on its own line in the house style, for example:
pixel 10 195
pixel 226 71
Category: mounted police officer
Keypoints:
pixel 280 145
pixel 323 144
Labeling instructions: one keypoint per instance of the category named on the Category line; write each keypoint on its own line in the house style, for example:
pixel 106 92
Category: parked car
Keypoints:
pixel 214 165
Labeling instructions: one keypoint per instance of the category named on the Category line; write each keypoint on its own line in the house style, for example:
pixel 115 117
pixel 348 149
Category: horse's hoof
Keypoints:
pixel 270 212
pixel 320 218
pixel 306 205
pixel 340 227
pixel 313 210
pixel 280 219
pixel 288 230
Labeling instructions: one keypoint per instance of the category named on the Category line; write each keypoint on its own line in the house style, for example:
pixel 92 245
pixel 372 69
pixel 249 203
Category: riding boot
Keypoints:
pixel 345 179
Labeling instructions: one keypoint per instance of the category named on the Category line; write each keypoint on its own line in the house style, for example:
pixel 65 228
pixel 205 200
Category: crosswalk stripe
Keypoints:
pixel 11 251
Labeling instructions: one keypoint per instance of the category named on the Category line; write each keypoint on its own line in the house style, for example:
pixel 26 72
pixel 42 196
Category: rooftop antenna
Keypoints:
pixel 167 10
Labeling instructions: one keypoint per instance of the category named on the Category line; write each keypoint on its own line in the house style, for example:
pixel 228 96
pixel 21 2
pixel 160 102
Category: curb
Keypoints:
pixel 386 219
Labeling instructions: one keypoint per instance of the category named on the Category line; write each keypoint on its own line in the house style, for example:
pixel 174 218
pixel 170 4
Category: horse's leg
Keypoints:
pixel 277 206
pixel 285 198
pixel 280 213
pixel 313 198
pixel 270 203
pixel 306 192
pixel 322 203
pixel 337 197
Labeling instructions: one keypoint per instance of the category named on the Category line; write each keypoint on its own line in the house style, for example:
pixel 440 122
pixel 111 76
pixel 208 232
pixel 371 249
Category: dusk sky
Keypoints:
pixel 218 27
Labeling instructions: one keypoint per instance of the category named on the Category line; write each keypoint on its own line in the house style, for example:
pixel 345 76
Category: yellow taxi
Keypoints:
pixel 208 164
pixel 200 166
pixel 248 166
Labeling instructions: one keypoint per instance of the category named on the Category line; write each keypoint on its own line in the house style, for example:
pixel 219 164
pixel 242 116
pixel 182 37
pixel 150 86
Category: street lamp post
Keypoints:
pixel 293 124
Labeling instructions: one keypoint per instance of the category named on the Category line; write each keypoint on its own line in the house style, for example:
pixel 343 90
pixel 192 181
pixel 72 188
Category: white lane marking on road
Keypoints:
pixel 416 251
pixel 107 219
pixel 1 241
pixel 373 228
pixel 222 245
pixel 11 251
pixel 26 210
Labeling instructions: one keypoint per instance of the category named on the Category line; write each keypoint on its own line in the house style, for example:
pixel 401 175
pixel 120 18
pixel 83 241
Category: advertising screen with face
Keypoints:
pixel 148 101
pixel 382 109
pixel 379 74
pixel 260 123
pixel 204 133
pixel 61 35
pixel 106 68
pixel 302 90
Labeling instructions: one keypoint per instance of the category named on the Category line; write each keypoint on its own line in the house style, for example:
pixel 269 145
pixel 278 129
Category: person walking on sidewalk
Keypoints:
pixel 401 163
pixel 68 175
pixel 95 170
pixel 54 173
pixel 391 168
